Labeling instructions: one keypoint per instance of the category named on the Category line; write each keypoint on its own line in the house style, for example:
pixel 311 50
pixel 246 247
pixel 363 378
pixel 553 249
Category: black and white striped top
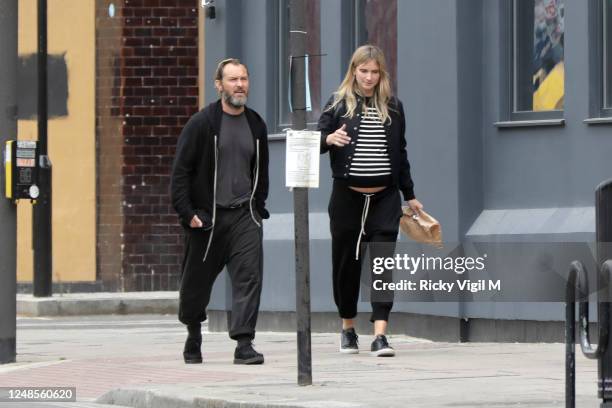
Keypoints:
pixel 370 166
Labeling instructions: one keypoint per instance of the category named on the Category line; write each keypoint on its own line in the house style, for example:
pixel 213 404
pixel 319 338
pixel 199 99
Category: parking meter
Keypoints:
pixel 21 170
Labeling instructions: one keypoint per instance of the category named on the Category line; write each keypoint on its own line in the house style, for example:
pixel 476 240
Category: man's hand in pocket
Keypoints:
pixel 196 222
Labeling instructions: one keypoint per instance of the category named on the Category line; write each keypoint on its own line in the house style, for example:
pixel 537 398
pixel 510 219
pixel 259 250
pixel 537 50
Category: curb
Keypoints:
pixel 98 304
pixel 143 399
pixel 139 398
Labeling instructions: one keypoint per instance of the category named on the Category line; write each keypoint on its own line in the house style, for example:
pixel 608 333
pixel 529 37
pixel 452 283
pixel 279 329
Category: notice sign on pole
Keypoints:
pixel 302 158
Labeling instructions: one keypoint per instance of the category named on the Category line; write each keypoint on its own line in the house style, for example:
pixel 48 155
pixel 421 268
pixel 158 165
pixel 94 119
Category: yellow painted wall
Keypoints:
pixel 71 31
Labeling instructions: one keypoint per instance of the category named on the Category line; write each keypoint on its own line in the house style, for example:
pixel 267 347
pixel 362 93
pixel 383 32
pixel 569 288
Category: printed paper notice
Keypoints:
pixel 302 158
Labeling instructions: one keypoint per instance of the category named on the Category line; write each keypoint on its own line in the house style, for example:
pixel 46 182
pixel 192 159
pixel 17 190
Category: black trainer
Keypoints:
pixel 349 342
pixel 381 348
pixel 247 355
pixel 192 353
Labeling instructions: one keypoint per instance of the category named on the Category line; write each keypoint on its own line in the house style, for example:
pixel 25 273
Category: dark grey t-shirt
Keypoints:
pixel 236 151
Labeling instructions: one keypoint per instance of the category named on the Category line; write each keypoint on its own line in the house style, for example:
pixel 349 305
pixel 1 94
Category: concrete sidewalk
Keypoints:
pixel 136 361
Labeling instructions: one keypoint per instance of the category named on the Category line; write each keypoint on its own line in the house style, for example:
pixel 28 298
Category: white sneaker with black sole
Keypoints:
pixel 349 343
pixel 381 348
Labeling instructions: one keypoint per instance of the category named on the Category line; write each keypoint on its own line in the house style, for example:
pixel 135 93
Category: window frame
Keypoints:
pixel 509 27
pixel 282 64
pixel 598 62
pixel 350 30
pixel 358 23
pixel 605 65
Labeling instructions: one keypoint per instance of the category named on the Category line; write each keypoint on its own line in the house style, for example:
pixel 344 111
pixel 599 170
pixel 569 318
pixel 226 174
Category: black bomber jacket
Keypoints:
pixel 340 157
pixel 194 171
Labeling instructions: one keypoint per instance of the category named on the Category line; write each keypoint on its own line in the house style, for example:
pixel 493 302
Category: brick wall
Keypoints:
pixel 147 90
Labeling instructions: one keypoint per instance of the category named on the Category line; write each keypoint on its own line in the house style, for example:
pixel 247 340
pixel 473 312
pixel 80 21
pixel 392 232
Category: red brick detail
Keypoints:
pixel 147 87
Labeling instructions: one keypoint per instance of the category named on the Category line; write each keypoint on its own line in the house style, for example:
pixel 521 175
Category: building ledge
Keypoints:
pixel 528 221
pixel 529 123
pixel 598 121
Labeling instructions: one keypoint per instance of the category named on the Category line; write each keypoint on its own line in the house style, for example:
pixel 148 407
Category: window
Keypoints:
pixel 313 65
pixel 607 55
pixel 376 24
pixel 538 58
pixel 600 26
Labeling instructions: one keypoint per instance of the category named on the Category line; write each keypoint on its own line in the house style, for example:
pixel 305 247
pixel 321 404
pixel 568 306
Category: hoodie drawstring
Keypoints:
pixel 214 206
pixel 255 185
pixel 364 216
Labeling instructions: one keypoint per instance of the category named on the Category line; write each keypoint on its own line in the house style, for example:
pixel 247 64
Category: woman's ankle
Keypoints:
pixel 347 324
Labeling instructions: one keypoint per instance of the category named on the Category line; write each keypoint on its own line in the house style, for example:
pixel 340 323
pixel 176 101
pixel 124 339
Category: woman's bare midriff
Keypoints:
pixel 367 190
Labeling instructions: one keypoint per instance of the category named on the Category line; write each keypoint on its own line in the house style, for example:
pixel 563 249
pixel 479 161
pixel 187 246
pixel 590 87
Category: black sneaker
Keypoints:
pixel 247 355
pixel 348 341
pixel 191 352
pixel 381 348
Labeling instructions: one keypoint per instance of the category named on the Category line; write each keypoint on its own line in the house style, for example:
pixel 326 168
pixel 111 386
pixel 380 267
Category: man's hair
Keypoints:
pixel 222 64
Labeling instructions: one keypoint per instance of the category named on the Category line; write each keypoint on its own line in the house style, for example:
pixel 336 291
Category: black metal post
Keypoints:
pixel 603 219
pixel 603 351
pixel 578 273
pixel 570 340
pixel 41 225
pixel 297 47
pixel 8 211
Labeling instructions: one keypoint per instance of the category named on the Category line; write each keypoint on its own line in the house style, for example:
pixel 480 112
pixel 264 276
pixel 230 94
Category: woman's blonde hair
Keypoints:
pixel 349 89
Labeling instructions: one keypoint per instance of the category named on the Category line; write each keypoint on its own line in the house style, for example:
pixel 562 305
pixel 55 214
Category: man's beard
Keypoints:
pixel 235 102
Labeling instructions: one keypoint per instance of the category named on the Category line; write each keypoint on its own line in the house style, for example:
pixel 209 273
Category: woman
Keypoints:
pixel 362 127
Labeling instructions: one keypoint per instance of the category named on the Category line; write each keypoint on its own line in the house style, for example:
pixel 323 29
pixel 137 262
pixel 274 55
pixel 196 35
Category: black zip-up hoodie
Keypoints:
pixel 340 157
pixel 193 182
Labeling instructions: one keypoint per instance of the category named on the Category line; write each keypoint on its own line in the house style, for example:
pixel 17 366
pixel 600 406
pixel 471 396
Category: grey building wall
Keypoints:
pixel 483 182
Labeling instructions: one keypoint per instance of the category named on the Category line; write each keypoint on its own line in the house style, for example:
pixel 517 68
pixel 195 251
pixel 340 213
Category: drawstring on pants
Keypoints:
pixel 364 216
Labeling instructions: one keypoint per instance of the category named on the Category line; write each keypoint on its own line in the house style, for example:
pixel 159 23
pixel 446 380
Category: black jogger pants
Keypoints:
pixel 380 213
pixel 237 244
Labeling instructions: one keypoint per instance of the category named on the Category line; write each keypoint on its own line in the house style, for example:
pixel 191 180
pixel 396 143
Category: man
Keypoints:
pixel 219 186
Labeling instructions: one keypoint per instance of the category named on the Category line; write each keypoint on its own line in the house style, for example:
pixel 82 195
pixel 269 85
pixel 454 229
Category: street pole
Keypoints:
pixel 603 232
pixel 297 50
pixel 8 211
pixel 41 225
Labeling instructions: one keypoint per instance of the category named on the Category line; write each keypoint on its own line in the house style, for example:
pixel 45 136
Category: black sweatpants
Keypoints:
pixel 346 209
pixel 237 244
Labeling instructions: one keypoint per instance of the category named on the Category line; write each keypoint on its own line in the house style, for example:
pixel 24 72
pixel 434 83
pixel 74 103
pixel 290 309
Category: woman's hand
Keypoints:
pixel 415 205
pixel 338 138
